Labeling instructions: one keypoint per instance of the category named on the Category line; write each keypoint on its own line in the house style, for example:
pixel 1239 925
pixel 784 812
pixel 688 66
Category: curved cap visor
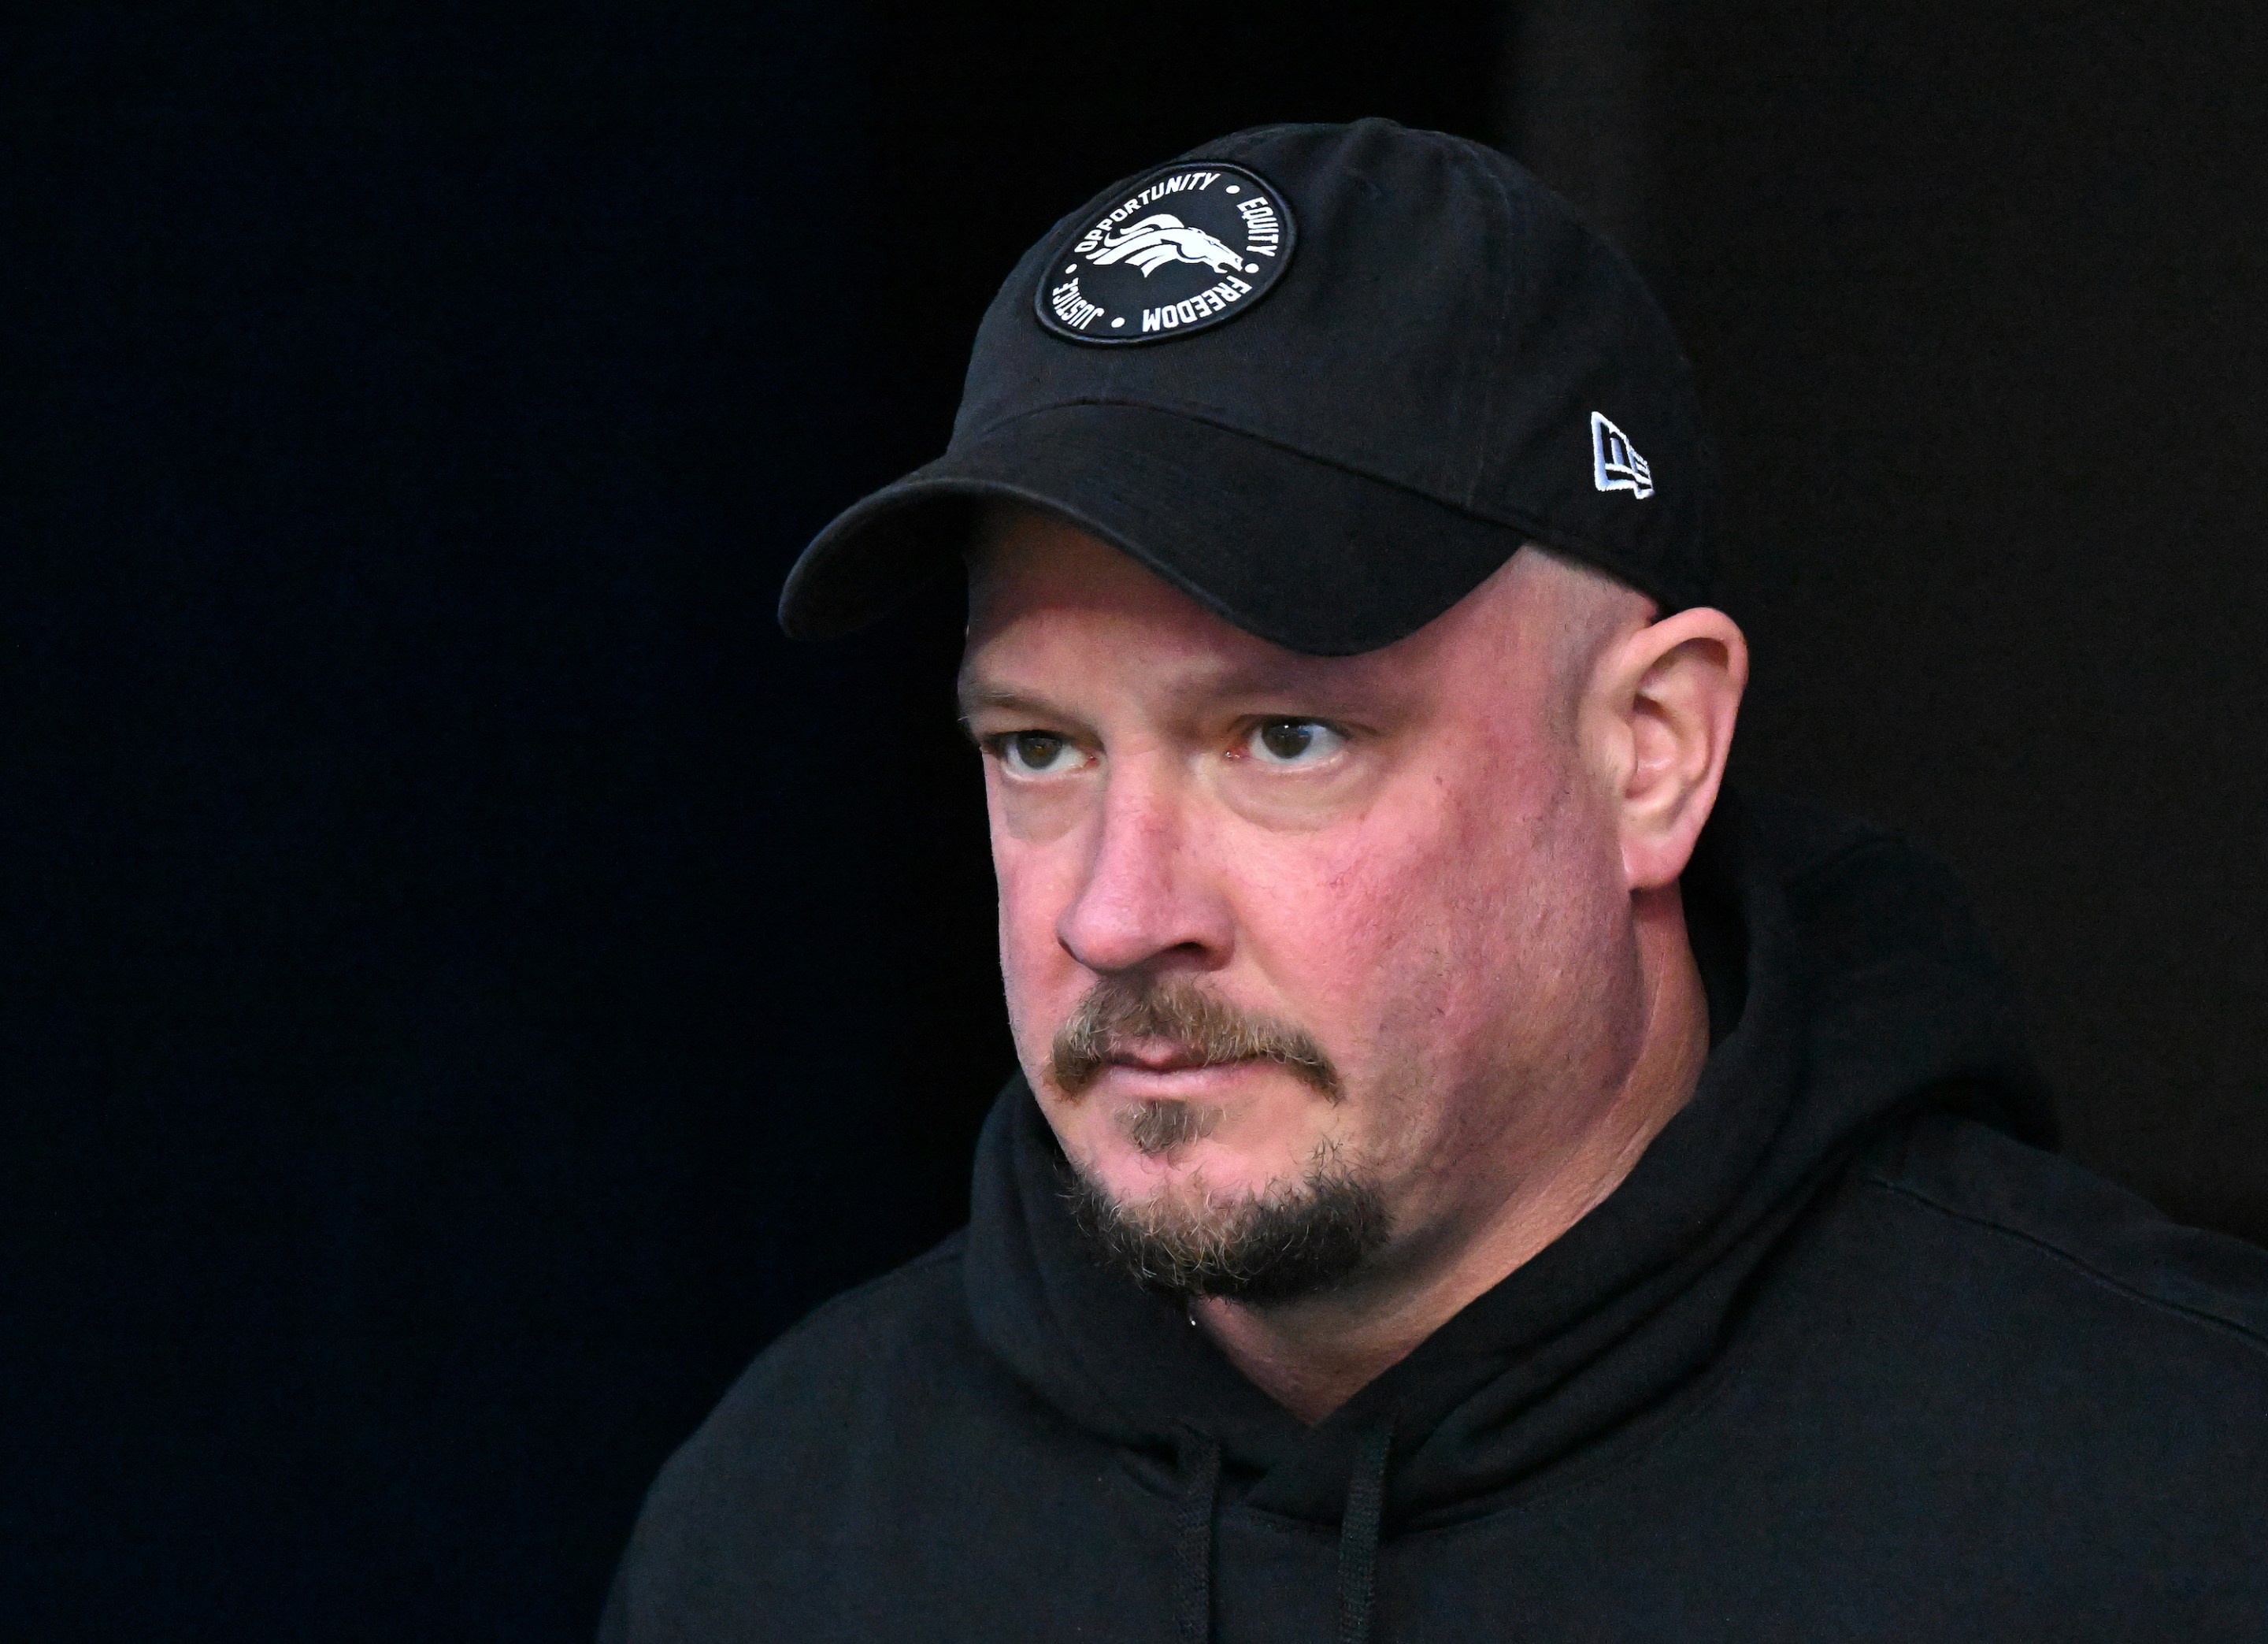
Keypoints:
pixel 1301 553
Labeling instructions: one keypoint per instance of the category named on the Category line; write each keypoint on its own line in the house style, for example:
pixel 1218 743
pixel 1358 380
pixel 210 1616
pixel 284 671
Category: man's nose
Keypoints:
pixel 1146 899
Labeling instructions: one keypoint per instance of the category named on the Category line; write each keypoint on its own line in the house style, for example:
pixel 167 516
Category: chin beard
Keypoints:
pixel 1296 1241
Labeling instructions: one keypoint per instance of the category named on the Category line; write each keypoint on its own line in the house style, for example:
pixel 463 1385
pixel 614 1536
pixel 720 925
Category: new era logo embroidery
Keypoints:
pixel 1614 465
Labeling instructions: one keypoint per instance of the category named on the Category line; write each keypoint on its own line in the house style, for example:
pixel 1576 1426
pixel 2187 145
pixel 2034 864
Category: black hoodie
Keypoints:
pixel 1845 1356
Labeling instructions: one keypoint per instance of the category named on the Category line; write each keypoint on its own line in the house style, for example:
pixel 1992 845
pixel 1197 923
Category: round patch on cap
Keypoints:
pixel 1190 246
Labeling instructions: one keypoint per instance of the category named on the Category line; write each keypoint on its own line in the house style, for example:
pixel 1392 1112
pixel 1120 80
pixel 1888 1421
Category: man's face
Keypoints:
pixel 1288 935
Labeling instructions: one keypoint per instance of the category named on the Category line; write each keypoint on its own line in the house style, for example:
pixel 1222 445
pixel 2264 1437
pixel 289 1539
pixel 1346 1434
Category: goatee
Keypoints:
pixel 1298 1241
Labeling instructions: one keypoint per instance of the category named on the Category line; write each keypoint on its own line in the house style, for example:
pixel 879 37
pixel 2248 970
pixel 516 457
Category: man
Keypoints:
pixel 1468 1178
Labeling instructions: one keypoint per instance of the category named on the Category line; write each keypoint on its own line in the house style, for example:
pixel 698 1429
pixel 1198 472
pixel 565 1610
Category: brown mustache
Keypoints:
pixel 1123 1010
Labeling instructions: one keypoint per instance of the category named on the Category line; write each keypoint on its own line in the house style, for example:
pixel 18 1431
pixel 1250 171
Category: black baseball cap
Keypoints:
pixel 1325 380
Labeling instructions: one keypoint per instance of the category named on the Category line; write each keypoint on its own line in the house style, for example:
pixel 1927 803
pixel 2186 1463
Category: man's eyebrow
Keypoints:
pixel 974 697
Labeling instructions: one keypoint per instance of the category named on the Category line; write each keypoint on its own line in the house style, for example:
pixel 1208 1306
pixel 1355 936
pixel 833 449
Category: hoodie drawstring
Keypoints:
pixel 1200 1481
pixel 1199 1469
pixel 1358 1529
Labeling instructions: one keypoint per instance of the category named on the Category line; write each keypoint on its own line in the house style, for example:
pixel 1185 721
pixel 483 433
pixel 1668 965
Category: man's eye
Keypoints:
pixel 1034 753
pixel 1293 742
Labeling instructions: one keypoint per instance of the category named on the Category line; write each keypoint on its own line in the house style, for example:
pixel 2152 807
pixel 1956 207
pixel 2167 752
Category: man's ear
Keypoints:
pixel 1667 696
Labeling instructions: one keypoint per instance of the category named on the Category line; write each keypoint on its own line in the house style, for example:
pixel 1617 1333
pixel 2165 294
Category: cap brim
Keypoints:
pixel 1304 554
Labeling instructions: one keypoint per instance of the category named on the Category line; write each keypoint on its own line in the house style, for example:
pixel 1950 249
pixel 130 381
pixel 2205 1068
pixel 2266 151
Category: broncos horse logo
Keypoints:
pixel 1154 241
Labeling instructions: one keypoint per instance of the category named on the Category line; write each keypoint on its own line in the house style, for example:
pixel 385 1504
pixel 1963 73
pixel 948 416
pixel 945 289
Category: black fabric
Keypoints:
pixel 1845 1356
pixel 1429 365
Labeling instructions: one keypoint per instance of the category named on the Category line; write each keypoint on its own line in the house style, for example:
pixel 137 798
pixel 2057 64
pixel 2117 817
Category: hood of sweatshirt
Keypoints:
pixel 1848 987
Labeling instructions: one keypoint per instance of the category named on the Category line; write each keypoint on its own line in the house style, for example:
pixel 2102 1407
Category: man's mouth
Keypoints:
pixel 1164 1059
pixel 1161 1030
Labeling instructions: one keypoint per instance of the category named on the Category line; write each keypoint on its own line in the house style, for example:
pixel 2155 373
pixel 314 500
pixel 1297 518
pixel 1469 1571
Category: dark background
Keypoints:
pixel 465 982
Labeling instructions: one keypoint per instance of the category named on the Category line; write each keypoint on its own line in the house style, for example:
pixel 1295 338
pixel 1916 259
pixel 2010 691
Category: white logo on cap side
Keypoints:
pixel 1616 465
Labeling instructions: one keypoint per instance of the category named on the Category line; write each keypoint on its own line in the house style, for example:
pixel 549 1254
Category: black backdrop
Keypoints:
pixel 468 981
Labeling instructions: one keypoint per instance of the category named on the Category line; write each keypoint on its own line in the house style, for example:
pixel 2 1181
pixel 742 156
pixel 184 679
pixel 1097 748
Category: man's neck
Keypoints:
pixel 1312 1356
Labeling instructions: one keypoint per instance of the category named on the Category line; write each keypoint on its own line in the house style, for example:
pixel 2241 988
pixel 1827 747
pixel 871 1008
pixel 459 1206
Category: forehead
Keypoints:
pixel 1046 599
pixel 1050 602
